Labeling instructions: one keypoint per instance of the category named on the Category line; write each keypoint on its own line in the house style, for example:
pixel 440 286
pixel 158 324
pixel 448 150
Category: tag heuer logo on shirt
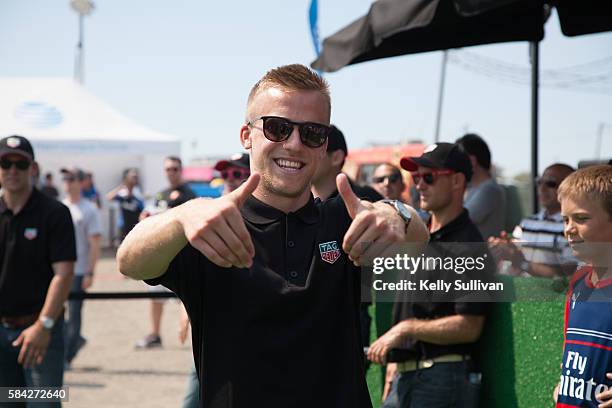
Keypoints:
pixel 30 233
pixel 329 251
pixel 13 142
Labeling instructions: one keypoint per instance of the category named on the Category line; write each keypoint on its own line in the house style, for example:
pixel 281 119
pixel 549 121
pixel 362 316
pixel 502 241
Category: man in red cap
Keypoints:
pixel 234 171
pixel 439 336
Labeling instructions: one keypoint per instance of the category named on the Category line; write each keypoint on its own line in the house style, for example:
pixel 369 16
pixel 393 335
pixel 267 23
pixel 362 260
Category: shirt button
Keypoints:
pixel 290 244
pixel 293 274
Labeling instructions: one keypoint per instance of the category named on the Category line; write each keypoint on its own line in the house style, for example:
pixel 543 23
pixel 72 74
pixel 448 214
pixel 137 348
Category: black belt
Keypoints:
pixel 17 322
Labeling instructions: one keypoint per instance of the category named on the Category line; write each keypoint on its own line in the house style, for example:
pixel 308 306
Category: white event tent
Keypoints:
pixel 69 126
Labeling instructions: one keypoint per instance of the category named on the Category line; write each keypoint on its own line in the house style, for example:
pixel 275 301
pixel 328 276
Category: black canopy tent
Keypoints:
pixel 398 27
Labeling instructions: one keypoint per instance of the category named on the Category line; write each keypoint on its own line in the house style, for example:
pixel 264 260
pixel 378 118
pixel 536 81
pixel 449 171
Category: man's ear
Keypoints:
pixel 459 181
pixel 245 136
pixel 337 157
pixel 34 169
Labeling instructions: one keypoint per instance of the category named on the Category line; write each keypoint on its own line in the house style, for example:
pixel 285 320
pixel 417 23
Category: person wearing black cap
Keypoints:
pixel 440 336
pixel 324 187
pixel 234 171
pixel 264 272
pixel 37 254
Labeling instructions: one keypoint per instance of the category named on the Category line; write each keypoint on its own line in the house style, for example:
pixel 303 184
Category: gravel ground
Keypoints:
pixel 108 371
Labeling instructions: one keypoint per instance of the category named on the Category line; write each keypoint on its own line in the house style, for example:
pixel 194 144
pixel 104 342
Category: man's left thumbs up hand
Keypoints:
pixel 376 227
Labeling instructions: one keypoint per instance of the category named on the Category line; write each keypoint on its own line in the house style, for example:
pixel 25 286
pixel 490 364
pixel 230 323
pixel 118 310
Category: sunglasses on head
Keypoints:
pixel 21 164
pixel 277 129
pixel 430 178
pixel 235 174
pixel 393 178
pixel 546 182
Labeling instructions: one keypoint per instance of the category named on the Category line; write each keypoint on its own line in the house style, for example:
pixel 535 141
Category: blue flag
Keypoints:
pixel 313 14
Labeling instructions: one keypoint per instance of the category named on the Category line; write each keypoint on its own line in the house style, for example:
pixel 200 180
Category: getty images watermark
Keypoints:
pixel 446 272
pixel 410 265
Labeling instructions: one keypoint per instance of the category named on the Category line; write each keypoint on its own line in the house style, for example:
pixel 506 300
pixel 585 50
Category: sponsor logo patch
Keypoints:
pixel 13 142
pixel 430 148
pixel 30 233
pixel 329 251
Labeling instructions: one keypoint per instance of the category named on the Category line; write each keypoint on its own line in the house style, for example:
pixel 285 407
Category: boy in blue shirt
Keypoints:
pixel 586 368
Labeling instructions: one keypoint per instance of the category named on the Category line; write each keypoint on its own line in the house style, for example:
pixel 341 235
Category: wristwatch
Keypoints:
pixel 402 211
pixel 47 322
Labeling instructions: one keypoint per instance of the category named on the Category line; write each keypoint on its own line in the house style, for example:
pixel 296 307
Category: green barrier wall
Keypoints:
pixel 520 349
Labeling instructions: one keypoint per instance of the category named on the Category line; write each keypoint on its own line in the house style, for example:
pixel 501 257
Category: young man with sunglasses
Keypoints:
pixel 543 250
pixel 37 253
pixel 272 298
pixel 88 234
pixel 176 194
pixel 387 180
pixel 234 171
pixel 439 335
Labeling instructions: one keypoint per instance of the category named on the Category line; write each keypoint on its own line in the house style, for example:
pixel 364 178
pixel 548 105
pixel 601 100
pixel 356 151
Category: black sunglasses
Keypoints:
pixel 277 129
pixel 22 164
pixel 430 178
pixel 546 182
pixel 393 178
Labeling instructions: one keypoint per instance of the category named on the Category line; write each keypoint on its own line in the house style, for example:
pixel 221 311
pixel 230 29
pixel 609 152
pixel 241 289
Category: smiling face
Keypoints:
pixel 588 228
pixel 287 167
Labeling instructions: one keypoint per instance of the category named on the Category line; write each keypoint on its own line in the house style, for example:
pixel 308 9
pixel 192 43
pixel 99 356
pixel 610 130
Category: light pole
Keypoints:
pixel 83 8
pixel 598 139
pixel 440 96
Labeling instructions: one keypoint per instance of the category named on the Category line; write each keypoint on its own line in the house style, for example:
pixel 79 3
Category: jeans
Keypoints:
pixel 444 385
pixel 72 331
pixel 50 373
pixel 192 393
pixel 392 400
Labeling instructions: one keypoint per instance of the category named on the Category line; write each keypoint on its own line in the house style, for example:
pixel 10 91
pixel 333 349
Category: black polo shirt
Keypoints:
pixel 460 230
pixel 39 235
pixel 284 333
pixel 176 196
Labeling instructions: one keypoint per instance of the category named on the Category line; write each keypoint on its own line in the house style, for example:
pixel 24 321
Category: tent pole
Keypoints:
pixel 441 96
pixel 535 85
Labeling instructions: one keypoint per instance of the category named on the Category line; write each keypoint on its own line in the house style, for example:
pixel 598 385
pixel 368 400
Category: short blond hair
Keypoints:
pixel 294 77
pixel 593 183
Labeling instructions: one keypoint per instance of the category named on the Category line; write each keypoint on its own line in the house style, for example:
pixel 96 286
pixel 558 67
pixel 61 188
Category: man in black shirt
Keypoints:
pixel 271 297
pixel 37 254
pixel 176 194
pixel 439 335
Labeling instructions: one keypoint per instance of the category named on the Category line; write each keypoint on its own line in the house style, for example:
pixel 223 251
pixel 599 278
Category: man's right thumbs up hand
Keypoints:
pixel 216 228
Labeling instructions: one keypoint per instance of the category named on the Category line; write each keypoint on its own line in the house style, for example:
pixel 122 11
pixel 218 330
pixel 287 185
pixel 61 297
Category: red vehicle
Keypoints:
pixel 361 163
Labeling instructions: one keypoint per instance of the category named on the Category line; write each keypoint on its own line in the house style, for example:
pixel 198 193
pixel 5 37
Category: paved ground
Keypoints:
pixel 108 372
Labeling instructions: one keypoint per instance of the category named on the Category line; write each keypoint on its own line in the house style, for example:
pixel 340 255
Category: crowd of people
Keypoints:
pixel 271 274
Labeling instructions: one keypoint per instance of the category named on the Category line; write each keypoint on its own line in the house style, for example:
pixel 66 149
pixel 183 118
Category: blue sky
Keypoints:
pixel 185 68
